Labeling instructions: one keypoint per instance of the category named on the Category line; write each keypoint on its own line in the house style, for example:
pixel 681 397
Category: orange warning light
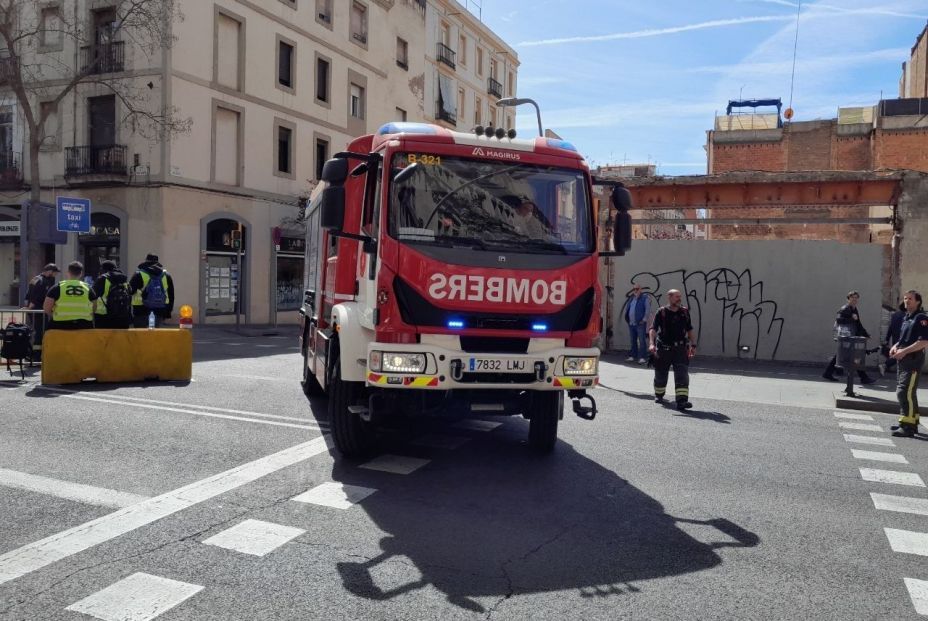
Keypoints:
pixel 788 113
pixel 186 311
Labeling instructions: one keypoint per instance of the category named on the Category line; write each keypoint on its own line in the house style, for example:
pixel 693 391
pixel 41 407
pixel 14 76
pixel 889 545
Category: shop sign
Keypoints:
pixel 9 229
pixel 293 244
pixel 73 214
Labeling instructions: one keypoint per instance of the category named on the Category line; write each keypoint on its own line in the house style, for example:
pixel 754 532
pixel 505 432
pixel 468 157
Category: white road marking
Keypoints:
pixel 140 597
pixel 39 554
pixel 850 416
pixel 189 406
pixel 262 378
pixel 337 495
pixel 79 492
pixel 441 441
pixel 861 426
pixel 891 476
pixel 918 591
pixel 894 458
pixel 254 537
pixel 907 541
pixel 395 464
pixel 475 424
pixel 149 406
pixel 901 504
pixel 849 437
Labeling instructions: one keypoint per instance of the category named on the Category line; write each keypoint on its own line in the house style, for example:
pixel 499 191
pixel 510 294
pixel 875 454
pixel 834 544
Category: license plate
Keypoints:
pixel 496 365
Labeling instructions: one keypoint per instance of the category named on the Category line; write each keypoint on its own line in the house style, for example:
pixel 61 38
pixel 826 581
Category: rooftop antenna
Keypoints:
pixel 792 79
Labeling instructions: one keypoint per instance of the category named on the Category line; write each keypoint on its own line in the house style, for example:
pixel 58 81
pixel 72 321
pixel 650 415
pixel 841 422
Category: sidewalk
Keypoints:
pixel 751 381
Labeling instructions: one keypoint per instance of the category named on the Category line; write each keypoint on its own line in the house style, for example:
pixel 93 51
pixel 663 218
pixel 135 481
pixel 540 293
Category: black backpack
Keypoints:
pixel 17 345
pixel 119 302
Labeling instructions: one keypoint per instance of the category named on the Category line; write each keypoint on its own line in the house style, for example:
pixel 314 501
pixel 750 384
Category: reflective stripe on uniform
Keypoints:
pixel 101 308
pixel 682 392
pixel 910 417
pixel 73 303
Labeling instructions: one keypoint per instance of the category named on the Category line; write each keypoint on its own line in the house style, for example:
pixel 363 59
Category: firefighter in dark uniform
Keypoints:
pixel 673 344
pixel 910 354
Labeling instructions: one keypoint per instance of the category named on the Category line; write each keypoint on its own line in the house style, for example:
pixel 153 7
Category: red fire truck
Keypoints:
pixel 452 273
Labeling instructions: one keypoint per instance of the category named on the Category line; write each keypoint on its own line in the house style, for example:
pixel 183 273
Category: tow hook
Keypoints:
pixel 457 370
pixel 586 412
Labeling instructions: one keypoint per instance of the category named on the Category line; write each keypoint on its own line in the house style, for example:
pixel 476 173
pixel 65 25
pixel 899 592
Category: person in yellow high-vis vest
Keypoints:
pixel 71 302
pixel 152 292
pixel 910 353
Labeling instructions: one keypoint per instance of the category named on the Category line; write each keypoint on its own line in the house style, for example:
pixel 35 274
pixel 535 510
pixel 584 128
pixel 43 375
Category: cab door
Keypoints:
pixel 367 261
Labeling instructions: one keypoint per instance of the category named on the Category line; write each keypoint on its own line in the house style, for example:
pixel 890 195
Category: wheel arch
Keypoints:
pixel 353 339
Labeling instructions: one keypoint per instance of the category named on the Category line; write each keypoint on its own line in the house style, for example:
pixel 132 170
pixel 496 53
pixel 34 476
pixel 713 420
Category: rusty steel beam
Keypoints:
pixel 748 221
pixel 862 193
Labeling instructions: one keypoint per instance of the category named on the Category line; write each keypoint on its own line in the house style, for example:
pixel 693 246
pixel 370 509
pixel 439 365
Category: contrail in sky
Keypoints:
pixel 657 32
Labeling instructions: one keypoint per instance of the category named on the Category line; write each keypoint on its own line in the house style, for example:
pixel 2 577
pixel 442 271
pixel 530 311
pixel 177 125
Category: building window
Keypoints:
pixel 512 85
pixel 402 53
pixel 324 12
pixel 461 96
pixel 478 111
pixel 290 3
pixel 322 156
pixel 445 34
pixel 285 62
pixel 52 128
pixel 491 117
pixel 447 110
pixel 359 23
pixel 50 28
pixel 400 114
pixel 462 50
pixel 480 61
pixel 494 71
pixel 322 80
pixel 227 144
pixel 356 104
pixel 228 50
pixel 285 133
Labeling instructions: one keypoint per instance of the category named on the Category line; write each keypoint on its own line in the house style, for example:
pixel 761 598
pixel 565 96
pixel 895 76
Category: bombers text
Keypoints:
pixel 497 289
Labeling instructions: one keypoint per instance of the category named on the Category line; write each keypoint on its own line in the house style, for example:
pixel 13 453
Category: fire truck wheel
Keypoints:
pixel 542 428
pixel 353 437
pixel 311 386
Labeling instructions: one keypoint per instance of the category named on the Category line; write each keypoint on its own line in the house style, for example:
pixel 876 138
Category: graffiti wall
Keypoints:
pixel 769 300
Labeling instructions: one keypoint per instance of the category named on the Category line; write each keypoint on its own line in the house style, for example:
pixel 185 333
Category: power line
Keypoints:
pixel 792 79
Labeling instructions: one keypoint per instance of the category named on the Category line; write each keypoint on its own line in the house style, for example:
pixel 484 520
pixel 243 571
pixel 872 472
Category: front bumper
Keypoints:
pixel 448 369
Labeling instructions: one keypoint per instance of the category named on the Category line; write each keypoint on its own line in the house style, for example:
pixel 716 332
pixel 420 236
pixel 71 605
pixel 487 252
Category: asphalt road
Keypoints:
pixel 177 502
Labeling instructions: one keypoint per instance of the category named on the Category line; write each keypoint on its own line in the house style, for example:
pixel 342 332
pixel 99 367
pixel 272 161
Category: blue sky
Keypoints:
pixel 638 81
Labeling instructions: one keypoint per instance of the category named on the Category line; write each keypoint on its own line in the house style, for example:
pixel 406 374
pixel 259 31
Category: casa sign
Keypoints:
pixel 9 229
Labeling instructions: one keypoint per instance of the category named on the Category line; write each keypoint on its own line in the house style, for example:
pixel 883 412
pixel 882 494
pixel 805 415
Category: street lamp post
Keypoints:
pixel 519 101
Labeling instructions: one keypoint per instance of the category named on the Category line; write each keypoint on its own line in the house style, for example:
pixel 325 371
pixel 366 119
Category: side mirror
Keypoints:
pixel 335 171
pixel 622 232
pixel 332 207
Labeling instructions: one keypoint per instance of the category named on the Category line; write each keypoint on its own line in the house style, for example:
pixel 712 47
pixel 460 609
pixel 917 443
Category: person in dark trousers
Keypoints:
pixel 35 300
pixel 909 353
pixel 636 316
pixel 152 292
pixel 893 332
pixel 71 302
pixel 673 344
pixel 114 306
pixel 848 323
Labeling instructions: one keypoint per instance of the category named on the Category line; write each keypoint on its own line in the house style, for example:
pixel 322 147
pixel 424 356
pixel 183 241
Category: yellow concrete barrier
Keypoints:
pixel 71 356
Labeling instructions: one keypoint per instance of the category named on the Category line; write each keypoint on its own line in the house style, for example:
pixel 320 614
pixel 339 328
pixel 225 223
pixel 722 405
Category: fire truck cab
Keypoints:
pixel 452 273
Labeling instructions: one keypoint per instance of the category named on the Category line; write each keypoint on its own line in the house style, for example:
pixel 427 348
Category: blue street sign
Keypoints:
pixel 73 214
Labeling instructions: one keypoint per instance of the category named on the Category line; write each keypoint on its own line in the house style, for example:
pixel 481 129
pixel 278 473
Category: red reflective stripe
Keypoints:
pixel 434 382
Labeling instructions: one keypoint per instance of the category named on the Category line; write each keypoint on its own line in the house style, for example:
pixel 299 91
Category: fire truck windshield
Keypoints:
pixel 489 205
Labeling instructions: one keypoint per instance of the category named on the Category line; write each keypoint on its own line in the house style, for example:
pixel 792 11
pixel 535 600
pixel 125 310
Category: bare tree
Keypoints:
pixel 48 52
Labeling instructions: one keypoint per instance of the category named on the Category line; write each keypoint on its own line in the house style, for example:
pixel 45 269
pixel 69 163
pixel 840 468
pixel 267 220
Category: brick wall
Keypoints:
pixel 766 156
pixel 901 148
pixel 851 153
pixel 809 146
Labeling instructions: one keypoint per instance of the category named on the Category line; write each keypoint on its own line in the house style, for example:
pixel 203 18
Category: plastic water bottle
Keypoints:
pixel 151 320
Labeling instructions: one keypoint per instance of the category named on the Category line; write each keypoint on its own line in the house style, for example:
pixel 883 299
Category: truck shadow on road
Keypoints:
pixel 498 522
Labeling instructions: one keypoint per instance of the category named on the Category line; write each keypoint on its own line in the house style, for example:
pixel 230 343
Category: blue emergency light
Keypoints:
pixel 540 327
pixel 455 324
pixel 406 128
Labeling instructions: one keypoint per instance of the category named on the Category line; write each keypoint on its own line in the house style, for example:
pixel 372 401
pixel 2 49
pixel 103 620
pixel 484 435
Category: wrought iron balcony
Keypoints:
pixel 446 115
pixel 446 55
pixel 494 88
pixel 95 160
pixel 103 57
pixel 11 171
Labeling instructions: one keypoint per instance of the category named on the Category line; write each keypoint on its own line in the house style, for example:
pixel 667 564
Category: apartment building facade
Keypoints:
pixel 272 89
pixel 468 70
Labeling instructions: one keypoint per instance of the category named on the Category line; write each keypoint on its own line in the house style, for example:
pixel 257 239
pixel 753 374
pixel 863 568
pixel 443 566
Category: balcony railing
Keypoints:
pixel 103 57
pixel 11 171
pixel 446 55
pixel 95 160
pixel 494 88
pixel 446 115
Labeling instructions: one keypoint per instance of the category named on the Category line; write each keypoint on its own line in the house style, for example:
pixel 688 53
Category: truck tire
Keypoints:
pixel 352 436
pixel 311 386
pixel 542 427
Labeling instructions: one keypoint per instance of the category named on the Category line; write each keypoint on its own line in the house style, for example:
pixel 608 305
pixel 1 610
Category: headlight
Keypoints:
pixel 580 366
pixel 374 361
pixel 394 362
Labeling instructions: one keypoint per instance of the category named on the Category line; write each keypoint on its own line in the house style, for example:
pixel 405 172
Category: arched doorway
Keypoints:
pixel 101 243
pixel 224 280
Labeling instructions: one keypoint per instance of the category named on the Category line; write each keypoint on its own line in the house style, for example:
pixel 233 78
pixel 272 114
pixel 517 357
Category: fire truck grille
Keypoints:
pixel 493 345
pixel 498 378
